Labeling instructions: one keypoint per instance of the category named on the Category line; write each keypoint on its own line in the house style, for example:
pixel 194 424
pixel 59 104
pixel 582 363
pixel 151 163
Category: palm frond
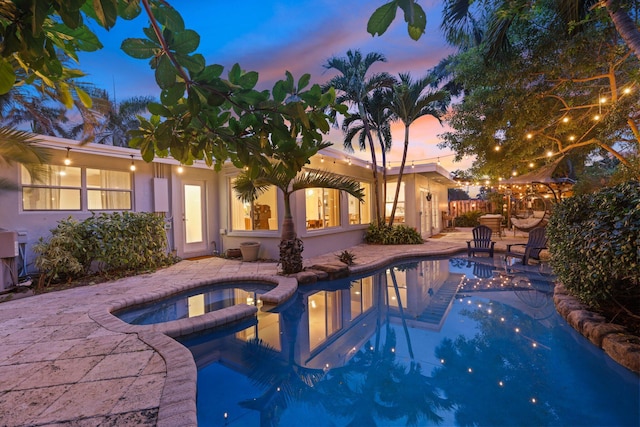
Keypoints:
pixel 21 147
pixel 249 187
pixel 324 179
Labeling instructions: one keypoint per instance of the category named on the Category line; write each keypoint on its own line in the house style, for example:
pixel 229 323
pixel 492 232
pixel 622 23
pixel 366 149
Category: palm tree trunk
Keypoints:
pixel 288 227
pixel 384 171
pixel 372 148
pixel 404 160
pixel 625 25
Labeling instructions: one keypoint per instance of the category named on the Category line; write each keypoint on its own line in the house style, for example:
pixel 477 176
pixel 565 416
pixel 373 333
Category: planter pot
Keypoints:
pixel 250 250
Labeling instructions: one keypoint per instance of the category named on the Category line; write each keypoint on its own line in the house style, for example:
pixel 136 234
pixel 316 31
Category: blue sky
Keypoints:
pixel 271 37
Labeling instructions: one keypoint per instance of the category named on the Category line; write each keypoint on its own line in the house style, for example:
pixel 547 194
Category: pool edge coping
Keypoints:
pixel 179 409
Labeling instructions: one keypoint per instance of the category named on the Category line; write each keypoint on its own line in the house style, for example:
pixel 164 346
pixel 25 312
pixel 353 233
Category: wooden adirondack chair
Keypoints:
pixel 481 241
pixel 536 243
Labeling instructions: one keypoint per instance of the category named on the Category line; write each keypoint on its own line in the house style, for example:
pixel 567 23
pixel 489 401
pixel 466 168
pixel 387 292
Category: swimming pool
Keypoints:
pixel 446 341
pixel 194 303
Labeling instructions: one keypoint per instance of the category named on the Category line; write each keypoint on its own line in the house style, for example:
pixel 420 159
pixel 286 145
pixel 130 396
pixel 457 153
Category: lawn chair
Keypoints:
pixel 481 241
pixel 536 243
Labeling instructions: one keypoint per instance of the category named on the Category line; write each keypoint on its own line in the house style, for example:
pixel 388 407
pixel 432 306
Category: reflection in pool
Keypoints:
pixel 194 303
pixel 435 341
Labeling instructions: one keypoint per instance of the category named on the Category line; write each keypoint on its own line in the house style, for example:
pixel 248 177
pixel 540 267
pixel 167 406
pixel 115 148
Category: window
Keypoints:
pixel 322 208
pixel 361 296
pixel 360 213
pixel 108 190
pixel 262 214
pixel 58 189
pixel 325 318
pixel 391 194
pixel 397 295
pixel 61 188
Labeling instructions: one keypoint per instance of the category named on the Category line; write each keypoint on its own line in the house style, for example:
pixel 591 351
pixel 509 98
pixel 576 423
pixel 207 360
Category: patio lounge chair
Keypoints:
pixel 536 243
pixel 481 241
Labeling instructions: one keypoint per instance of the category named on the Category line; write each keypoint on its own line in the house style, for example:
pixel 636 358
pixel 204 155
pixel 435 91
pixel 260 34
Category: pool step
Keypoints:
pixel 440 304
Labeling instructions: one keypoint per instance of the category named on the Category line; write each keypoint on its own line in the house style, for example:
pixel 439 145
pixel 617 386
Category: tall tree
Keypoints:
pixel 465 14
pixel 116 119
pixel 353 86
pixel 410 100
pixel 379 117
pixel 566 92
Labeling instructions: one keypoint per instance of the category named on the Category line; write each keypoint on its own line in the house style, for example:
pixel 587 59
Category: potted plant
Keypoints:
pixel 249 250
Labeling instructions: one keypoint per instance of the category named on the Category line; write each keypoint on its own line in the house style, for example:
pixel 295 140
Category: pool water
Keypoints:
pixel 194 303
pixel 429 342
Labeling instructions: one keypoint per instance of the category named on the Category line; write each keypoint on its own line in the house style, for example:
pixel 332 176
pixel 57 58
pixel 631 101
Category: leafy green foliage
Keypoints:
pixel 594 241
pixel 536 87
pixel 346 257
pixel 116 242
pixel 384 234
pixel 414 16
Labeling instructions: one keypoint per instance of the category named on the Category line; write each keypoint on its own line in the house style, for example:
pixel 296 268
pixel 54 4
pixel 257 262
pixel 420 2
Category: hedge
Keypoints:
pixel 594 241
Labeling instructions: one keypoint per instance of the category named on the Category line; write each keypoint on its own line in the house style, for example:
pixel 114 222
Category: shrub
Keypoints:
pixel 346 257
pixel 469 219
pixel 116 242
pixel 594 241
pixel 396 235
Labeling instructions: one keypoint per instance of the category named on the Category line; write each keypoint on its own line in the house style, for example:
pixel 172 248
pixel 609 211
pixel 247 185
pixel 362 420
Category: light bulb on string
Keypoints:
pixel 67 160
pixel 133 166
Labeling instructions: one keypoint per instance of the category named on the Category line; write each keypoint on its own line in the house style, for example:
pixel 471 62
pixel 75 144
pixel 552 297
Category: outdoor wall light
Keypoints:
pixel 180 169
pixel 133 166
pixel 67 160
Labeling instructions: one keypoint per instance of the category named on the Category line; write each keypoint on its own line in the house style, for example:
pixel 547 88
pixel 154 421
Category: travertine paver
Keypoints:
pixel 64 360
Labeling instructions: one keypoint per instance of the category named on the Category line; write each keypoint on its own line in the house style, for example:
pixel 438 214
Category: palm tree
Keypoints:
pixel 21 147
pixel 286 174
pixel 461 19
pixel 353 87
pixel 43 116
pixel 117 118
pixel 379 117
pixel 409 101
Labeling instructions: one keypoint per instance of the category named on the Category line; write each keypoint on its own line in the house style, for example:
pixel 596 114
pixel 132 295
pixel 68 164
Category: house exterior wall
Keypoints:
pixel 159 187
pixel 32 225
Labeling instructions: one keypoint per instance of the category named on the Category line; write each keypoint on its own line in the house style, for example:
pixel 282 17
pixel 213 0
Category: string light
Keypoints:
pixel 180 169
pixel 413 166
pixel 133 166
pixel 349 160
pixel 67 160
pixel 321 159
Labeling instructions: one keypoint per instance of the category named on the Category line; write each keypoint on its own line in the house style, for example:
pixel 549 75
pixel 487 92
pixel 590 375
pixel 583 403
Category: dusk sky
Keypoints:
pixel 271 37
